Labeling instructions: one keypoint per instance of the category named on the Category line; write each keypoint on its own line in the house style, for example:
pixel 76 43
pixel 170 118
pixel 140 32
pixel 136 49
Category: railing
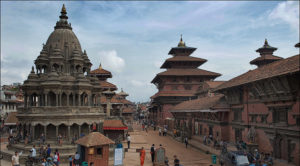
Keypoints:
pixel 57 110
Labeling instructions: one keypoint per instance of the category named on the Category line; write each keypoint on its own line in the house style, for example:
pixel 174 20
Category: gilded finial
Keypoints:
pixel 63 9
pixel 32 69
pixel 100 66
pixel 181 43
pixel 266 41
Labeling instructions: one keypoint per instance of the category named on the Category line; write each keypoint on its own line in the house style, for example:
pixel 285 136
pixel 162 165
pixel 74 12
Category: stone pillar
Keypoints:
pixel 45 132
pixel 108 108
pixel 33 132
pixel 60 103
pixel 68 99
pixel 79 101
pixel 30 100
pixel 56 133
pixel 79 131
pixel 69 133
pixel 46 99
pixel 56 100
pixel 73 100
pixel 90 128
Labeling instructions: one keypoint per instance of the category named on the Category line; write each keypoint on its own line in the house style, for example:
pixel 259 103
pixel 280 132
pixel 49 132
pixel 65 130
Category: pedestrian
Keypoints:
pixel 176 161
pixel 42 139
pixel 77 158
pixel 143 126
pixel 152 152
pixel 70 160
pixel 58 158
pixel 166 161
pixel 33 152
pixel 48 150
pixel 165 131
pixel 159 131
pixel 128 141
pixel 142 156
pixel 186 142
pixel 15 159
pixel 55 159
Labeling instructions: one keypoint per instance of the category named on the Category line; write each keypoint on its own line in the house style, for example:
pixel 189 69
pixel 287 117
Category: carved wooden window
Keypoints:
pixel 253 118
pixel 280 114
pixel 263 119
pixel 174 87
pixel 237 116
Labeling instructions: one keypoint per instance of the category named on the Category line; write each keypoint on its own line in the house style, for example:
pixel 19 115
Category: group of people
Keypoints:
pixel 260 159
pixel 164 132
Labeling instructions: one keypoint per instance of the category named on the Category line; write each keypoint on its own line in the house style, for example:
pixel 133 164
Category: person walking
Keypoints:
pixel 70 161
pixel 159 131
pixel 176 161
pixel 152 152
pixel 128 141
pixel 15 159
pixel 186 142
pixel 142 156
pixel 77 158
pixel 58 158
pixel 48 150
pixel 55 159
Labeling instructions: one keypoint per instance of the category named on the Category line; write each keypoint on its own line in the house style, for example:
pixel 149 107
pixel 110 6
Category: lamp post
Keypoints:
pixel 108 94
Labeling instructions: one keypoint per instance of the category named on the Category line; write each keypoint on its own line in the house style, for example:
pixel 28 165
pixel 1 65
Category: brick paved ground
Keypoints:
pixel 188 157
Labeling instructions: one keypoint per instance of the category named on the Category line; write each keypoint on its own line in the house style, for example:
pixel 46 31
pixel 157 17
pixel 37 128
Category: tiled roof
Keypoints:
pixel 105 84
pixel 265 57
pixel 12 118
pixel 100 71
pixel 173 93
pixel 214 84
pixel 281 67
pixel 186 72
pixel 204 103
pixel 183 59
pixel 114 124
pixel 128 110
pixel 115 99
pixel 175 49
pixel 94 139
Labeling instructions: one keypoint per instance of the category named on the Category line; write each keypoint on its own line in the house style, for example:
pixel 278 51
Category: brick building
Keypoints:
pixel 267 98
pixel 179 82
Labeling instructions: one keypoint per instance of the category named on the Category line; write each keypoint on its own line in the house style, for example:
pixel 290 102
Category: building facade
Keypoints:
pixel 179 82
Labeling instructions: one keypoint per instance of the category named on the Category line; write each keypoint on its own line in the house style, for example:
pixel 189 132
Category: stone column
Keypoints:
pixel 89 128
pixel 33 132
pixel 79 101
pixel 79 131
pixel 73 98
pixel 56 132
pixel 46 99
pixel 30 100
pixel 69 133
pixel 68 99
pixel 45 132
pixel 60 104
pixel 56 100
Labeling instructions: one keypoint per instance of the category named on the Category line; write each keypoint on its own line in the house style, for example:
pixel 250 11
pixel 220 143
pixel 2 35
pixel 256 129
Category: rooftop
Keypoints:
pixel 280 67
pixel 94 139
pixel 114 125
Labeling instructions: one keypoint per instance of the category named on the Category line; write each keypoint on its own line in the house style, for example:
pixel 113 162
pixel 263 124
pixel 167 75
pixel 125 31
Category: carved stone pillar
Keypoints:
pixel 79 101
pixel 33 132
pixel 45 132
pixel 56 100
pixel 79 131
pixel 60 103
pixel 46 99
pixel 25 101
pixel 73 100
pixel 68 99
pixel 56 132
pixel 69 133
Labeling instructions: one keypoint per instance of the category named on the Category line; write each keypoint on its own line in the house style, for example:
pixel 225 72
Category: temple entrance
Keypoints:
pixel 38 130
pixel 74 131
pixel 52 99
pixel 64 99
pixel 62 130
pixel 85 129
pixel 51 132
pixel 278 146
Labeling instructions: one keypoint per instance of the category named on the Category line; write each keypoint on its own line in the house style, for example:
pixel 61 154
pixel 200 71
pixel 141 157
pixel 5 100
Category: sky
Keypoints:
pixel 132 38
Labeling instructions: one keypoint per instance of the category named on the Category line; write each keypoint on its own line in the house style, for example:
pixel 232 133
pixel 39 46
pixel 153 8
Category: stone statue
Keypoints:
pixel 251 134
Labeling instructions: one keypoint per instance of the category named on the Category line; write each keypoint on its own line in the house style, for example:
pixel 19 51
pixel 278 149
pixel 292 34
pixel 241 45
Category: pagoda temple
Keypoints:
pixel 179 82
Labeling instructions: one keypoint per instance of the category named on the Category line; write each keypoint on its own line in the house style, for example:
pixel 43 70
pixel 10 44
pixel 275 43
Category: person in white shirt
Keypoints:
pixel 15 159
pixel 33 152
pixel 55 158
pixel 77 158
pixel 128 141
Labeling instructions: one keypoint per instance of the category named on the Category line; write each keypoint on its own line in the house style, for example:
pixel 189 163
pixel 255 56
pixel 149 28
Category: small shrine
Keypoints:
pixel 114 129
pixel 94 148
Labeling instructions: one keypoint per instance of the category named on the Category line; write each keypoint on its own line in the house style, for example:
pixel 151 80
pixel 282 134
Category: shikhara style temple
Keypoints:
pixel 259 107
pixel 179 82
pixel 63 97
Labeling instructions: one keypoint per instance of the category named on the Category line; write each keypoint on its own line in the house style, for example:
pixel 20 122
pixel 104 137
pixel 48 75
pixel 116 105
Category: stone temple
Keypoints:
pixel 61 96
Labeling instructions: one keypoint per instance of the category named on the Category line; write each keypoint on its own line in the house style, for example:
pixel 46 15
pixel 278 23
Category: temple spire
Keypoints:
pixel 100 66
pixel 63 13
pixel 181 43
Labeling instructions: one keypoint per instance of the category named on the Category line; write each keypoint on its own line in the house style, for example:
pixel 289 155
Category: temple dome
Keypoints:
pixel 61 37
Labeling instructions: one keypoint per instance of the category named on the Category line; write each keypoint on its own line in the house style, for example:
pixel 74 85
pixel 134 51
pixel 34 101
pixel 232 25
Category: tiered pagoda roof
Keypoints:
pixel 266 55
pixel 182 64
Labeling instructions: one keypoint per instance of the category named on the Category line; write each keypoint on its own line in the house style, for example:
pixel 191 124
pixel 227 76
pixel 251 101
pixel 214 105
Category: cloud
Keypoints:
pixel 136 83
pixel 111 61
pixel 287 12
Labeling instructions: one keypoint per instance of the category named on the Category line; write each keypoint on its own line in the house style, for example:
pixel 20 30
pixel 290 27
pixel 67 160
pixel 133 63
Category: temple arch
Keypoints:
pixel 51 131
pixel 52 99
pixel 63 99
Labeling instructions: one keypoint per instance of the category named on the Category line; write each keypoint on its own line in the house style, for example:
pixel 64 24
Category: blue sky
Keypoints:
pixel 132 39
